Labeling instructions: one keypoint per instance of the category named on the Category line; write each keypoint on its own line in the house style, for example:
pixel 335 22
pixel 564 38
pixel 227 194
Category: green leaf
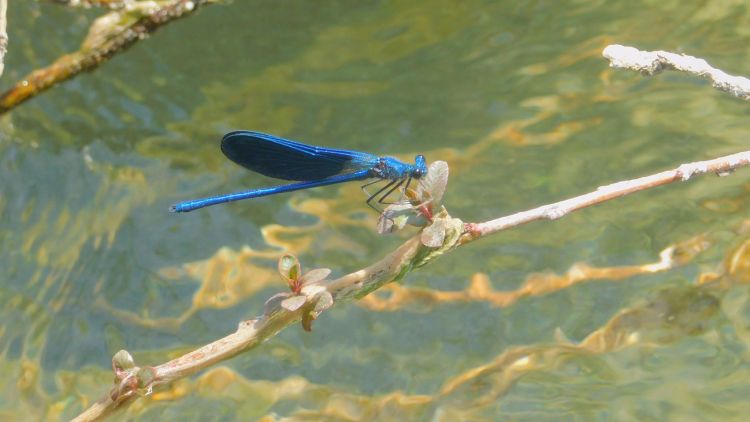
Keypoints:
pixel 289 268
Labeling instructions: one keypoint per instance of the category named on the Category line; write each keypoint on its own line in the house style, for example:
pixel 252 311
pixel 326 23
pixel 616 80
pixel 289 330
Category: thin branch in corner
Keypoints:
pixel 652 62
pixel 3 34
pixel 110 39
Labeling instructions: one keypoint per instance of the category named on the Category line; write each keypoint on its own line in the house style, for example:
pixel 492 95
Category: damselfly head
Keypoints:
pixel 420 167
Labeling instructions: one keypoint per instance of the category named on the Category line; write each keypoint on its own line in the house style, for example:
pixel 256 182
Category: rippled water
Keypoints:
pixel 514 96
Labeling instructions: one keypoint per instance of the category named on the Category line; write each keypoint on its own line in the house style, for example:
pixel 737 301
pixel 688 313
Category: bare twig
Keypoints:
pixel 653 62
pixel 3 34
pixel 721 166
pixel 106 38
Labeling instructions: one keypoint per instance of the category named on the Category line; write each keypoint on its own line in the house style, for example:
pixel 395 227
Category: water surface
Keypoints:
pixel 514 96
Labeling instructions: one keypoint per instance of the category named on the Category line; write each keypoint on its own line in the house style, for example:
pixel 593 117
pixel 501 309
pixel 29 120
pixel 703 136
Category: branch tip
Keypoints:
pixel 650 63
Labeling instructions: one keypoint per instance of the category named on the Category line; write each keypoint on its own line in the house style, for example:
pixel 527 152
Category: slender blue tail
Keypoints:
pixel 188 206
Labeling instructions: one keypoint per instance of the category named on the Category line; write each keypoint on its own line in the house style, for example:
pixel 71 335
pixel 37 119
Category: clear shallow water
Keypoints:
pixel 515 97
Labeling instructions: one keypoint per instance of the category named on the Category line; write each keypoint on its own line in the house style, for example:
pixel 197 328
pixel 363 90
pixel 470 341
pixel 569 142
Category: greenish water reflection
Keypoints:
pixel 515 96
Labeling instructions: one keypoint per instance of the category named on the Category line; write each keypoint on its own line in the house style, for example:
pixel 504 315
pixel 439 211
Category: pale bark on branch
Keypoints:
pixel 112 4
pixel 650 63
pixel 720 166
pixel 3 33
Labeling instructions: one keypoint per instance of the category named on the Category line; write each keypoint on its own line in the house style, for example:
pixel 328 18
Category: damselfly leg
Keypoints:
pixel 385 191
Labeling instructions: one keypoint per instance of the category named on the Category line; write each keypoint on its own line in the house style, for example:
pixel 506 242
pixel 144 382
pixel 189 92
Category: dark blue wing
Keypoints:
pixel 284 159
